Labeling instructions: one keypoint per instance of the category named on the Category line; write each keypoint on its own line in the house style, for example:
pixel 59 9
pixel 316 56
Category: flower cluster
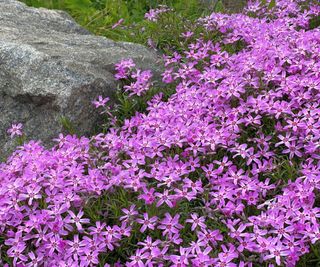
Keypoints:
pixel 224 173
pixel 123 68
pixel 140 80
pixel 42 193
pixel 153 14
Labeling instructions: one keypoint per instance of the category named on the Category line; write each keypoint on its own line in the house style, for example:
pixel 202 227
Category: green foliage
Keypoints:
pixel 52 4
pixel 219 7
pixel 263 2
pixel 20 140
pixel 314 23
pixel 311 259
pixel 67 125
pixel 272 4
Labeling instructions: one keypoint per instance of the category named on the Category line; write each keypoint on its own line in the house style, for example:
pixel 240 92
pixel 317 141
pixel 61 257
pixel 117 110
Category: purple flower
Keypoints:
pixel 147 222
pixel 138 258
pixel 100 102
pixel 77 219
pixel 119 22
pixel 170 225
pixel 196 221
pixel 15 130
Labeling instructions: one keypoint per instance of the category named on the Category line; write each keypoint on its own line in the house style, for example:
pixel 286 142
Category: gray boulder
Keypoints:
pixel 51 67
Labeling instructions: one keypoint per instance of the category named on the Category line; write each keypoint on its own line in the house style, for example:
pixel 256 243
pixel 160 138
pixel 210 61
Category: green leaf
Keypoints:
pixel 67 125
pixel 21 140
pixel 272 4
pixel 263 2
pixel 219 7
pixel 78 4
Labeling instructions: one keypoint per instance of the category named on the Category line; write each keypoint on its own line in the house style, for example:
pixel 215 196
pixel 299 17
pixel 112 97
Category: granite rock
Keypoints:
pixel 51 67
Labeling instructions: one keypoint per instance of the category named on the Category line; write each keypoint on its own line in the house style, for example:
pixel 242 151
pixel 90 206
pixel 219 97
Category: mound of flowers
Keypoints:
pixel 224 173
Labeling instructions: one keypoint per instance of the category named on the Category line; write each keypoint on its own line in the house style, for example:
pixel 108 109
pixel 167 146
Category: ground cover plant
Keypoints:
pixel 219 168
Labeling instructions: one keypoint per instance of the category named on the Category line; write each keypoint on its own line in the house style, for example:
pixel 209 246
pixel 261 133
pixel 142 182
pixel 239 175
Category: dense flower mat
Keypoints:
pixel 224 173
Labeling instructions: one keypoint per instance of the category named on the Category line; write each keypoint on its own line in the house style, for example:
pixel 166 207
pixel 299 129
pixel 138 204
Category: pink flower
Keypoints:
pixel 77 219
pixel 147 223
pixel 153 14
pixel 119 22
pixel 15 130
pixel 100 102
pixel 165 198
pixel 276 251
pixel 170 224
pixel 31 194
pixel 137 259
pixel 187 34
pixel 196 221
pixel 130 213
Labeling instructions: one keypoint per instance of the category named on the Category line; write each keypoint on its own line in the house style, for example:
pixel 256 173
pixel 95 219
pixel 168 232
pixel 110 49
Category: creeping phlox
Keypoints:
pixel 153 14
pixel 230 163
